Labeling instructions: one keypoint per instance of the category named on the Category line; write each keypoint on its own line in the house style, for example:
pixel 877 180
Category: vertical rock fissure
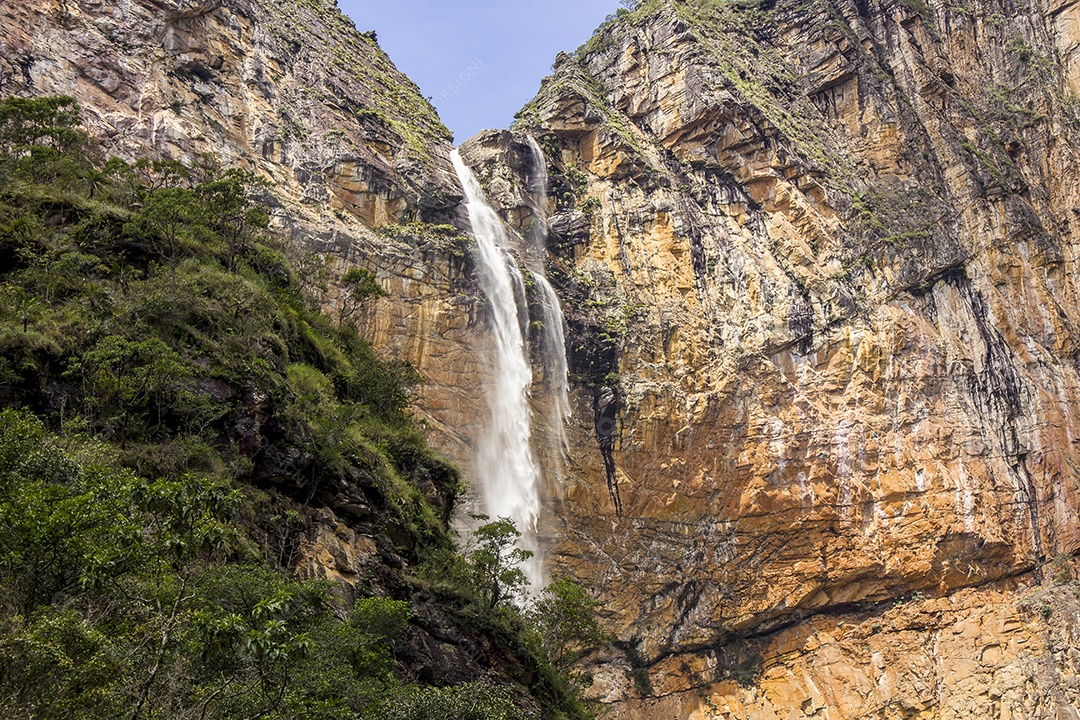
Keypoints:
pixel 606 404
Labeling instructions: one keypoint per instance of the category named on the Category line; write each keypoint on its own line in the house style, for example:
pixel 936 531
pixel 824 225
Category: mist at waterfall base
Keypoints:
pixel 510 475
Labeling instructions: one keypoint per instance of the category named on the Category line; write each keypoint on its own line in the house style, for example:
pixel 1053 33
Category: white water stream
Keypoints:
pixel 508 470
pixel 553 350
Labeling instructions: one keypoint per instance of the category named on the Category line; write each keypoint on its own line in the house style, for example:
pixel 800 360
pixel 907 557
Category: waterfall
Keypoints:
pixel 553 350
pixel 508 471
pixel 507 468
pixel 538 192
pixel 556 371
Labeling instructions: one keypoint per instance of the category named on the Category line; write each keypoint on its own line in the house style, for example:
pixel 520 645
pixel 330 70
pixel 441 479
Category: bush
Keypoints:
pixel 471 701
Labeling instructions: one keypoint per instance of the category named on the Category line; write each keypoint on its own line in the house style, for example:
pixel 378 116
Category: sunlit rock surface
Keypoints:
pixel 819 264
pixel 827 278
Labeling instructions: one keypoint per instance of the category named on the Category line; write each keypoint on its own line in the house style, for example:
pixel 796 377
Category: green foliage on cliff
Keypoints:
pixel 172 405
pixel 566 617
pixel 493 562
pixel 148 305
pixel 392 102
pixel 126 598
pixel 484 588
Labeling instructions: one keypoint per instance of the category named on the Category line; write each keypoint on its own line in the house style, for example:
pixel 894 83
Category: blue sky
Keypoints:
pixel 479 61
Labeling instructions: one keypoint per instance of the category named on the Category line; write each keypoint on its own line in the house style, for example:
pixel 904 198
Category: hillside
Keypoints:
pixel 214 499
pixel 817 260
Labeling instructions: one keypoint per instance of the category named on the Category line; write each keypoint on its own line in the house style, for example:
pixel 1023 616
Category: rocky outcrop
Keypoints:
pixel 818 260
pixel 974 654
pixel 820 265
pixel 290 90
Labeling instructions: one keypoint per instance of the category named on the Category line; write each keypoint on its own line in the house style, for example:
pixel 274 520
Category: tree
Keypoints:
pixel 160 174
pixel 358 285
pixel 565 616
pixel 62 520
pixel 230 212
pixel 17 303
pixel 49 122
pixel 21 236
pixel 41 141
pixel 493 562
pixel 310 268
pixel 472 701
pixel 126 381
pixel 171 219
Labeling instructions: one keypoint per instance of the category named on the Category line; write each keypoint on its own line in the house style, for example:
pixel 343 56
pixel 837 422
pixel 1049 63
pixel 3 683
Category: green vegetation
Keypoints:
pixel 172 407
pixel 123 598
pixel 1061 570
pixel 444 236
pixel 578 180
pixel 760 72
pixel 493 562
pixel 602 39
pixel 918 7
pixel 574 77
pixel 590 205
pixel 471 701
pixel 484 589
pixel 566 617
pixel 358 286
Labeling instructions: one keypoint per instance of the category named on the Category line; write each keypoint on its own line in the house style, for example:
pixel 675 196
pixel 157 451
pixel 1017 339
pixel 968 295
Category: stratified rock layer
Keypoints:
pixel 821 261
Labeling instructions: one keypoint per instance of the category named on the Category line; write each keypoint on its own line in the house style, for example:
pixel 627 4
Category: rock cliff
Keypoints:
pixel 819 259
pixel 294 92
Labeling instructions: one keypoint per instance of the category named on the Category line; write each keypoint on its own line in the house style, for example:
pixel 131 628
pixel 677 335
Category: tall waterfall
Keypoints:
pixel 507 468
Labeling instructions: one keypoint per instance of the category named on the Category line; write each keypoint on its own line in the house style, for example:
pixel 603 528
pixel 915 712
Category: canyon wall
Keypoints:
pixel 822 264
pixel 819 261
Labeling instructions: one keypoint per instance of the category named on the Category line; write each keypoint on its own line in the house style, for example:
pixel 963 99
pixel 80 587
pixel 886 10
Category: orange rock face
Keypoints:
pixel 819 261
pixel 836 245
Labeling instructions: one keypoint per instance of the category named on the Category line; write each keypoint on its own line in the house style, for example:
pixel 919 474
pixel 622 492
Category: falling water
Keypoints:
pixel 554 346
pixel 507 468
pixel 538 189
pixel 553 333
